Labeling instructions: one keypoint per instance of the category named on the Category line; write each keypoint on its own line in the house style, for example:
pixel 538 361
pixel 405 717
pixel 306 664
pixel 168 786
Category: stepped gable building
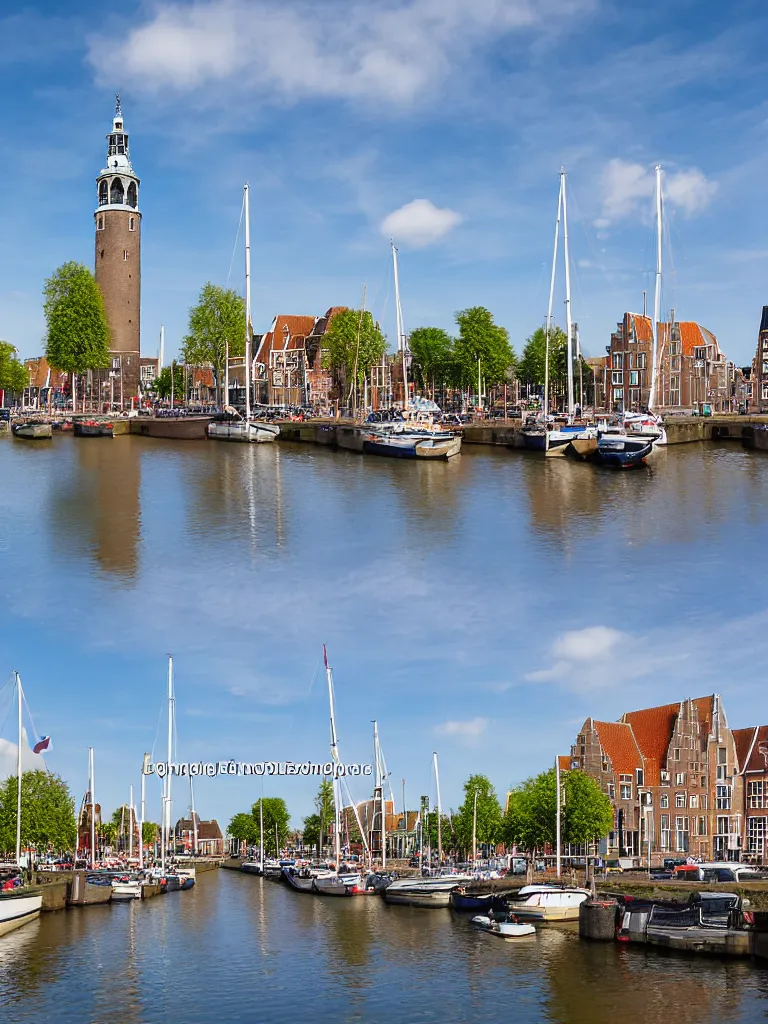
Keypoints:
pixel 672 775
pixel 692 369
pixel 288 364
pixel 752 751
pixel 760 367
pixel 117 221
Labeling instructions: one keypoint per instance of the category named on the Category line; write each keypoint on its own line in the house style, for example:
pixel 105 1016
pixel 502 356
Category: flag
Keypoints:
pixel 325 656
pixel 43 744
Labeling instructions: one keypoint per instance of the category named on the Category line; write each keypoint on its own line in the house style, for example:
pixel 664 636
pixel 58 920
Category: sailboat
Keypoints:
pixel 18 905
pixel 415 435
pixel 230 425
pixel 542 436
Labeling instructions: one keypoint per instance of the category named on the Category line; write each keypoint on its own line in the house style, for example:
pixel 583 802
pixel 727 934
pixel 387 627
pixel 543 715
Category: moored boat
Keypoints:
pixel 32 430
pixel 408 444
pixel 231 426
pixel 424 892
pixel 461 900
pixel 92 427
pixel 504 929
pixel 548 903
pixel 341 885
pixel 177 428
pixel 124 887
pixel 620 451
pixel 88 889
pixel 18 907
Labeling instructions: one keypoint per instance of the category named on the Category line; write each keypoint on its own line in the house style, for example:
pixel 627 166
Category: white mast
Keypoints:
pixel 246 200
pixel 474 829
pixel 166 818
pixel 657 293
pixel 545 403
pixel 439 812
pixel 335 760
pixel 91 788
pixel 131 824
pixel 194 817
pixel 143 810
pixel 19 773
pixel 567 292
pixel 401 344
pixel 557 813
pixel 379 791
pixel 261 830
pixel 161 352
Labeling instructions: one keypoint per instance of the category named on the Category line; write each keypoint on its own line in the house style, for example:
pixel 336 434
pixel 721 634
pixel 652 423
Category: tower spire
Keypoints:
pixel 118 105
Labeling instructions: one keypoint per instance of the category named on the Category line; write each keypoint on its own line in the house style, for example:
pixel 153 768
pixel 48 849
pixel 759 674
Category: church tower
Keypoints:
pixel 118 257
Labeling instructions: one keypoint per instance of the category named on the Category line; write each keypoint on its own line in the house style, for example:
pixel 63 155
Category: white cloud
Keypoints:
pixel 468 731
pixel 8 753
pixel 419 223
pixel 393 50
pixel 629 188
pixel 586 644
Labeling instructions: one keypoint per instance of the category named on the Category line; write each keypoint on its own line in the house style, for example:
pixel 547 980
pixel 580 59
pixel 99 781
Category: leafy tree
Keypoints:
pixel 530 369
pixel 77 337
pixel 162 383
pixel 276 820
pixel 311 831
pixel 530 822
pixel 13 373
pixel 244 828
pixel 432 351
pixel 354 344
pixel 217 319
pixel 325 811
pixel 47 813
pixel 489 815
pixel 447 833
pixel 149 832
pixel 108 832
pixel 480 338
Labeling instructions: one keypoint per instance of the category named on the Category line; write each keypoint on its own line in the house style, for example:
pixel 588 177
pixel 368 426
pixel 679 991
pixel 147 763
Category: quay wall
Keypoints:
pixel 54 894
pixel 755 892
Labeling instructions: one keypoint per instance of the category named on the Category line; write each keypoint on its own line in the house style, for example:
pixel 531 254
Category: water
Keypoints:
pixel 459 603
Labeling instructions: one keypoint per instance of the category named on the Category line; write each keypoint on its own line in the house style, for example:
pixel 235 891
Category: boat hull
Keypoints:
pixel 417 897
pixel 252 868
pixel 477 904
pixel 621 452
pixel 182 428
pixel 252 432
pixel 126 891
pixel 339 885
pixel 32 431
pixel 583 447
pixel 17 909
pixel 403 446
pixel 93 428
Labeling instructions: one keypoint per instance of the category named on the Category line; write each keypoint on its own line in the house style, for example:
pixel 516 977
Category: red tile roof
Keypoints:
pixel 752 748
pixel 564 761
pixel 38 371
pixel 643 328
pixel 618 742
pixel 653 728
pixel 275 338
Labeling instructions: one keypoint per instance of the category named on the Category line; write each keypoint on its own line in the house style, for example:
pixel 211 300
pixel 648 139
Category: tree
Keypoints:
pixel 530 822
pixel 77 337
pixel 432 351
pixel 47 813
pixel 244 828
pixel 108 832
pixel 149 832
pixel 311 831
pixel 481 339
pixel 276 819
pixel 217 321
pixel 162 383
pixel 489 816
pixel 326 812
pixel 354 344
pixel 530 369
pixel 13 373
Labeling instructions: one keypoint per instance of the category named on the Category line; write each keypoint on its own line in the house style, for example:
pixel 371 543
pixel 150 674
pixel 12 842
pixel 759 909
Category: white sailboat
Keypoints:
pixel 230 425
pixel 18 906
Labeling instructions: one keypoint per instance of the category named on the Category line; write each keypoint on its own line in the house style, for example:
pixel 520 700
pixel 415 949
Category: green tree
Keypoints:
pixel 216 321
pixel 530 369
pixel 530 822
pixel 13 373
pixel 77 332
pixel 354 344
pixel 244 828
pixel 108 832
pixel 311 831
pixel 47 813
pixel 325 811
pixel 481 339
pixel 276 819
pixel 149 832
pixel 489 814
pixel 433 358
pixel 162 383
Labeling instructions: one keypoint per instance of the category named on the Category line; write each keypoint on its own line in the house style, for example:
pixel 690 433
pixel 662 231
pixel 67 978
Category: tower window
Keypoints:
pixel 116 193
pixel 101 254
pixel 100 223
pixel 131 223
pixel 103 196
pixel 125 255
pixel 132 195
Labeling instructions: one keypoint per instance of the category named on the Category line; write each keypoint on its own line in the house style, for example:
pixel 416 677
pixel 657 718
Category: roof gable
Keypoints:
pixel 618 742
pixel 653 729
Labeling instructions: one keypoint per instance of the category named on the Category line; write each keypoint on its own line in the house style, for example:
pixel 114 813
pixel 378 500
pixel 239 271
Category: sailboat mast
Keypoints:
pixel 568 326
pixel 401 347
pixel 19 771
pixel 168 806
pixel 194 818
pixel 557 814
pixel 91 788
pixel 439 814
pixel 474 829
pixel 545 403
pixel 143 810
pixel 131 823
pixel 657 292
pixel 247 202
pixel 261 830
pixel 334 758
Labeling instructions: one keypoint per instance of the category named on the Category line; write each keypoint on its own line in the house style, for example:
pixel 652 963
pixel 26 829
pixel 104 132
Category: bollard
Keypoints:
pixel 597 920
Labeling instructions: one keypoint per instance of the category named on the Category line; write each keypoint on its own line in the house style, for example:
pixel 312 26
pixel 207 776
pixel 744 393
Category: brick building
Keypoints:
pixel 672 775
pixel 288 363
pixel 760 367
pixel 752 749
pixel 692 369
pixel 210 841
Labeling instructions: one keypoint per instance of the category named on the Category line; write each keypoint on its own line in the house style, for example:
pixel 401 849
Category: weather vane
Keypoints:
pixel 118 107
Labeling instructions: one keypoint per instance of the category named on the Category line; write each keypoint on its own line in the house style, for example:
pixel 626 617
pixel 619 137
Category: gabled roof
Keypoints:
pixel 618 742
pixel 322 322
pixel 287 331
pixel 752 748
pixel 564 761
pixel 653 728
pixel 643 327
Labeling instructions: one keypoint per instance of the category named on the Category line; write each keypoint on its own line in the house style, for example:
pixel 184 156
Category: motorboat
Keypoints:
pixel 252 867
pixel 432 891
pixel 548 903
pixel 91 427
pixel 621 451
pixel 32 430
pixel 641 424
pixel 503 929
pixel 229 425
pixel 124 887
pixel 478 902
pixel 412 444
pixel 350 884
pixel 18 907
pixel 303 879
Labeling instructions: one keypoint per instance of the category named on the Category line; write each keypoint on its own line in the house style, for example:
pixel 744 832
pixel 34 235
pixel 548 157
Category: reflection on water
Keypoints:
pixel 240 949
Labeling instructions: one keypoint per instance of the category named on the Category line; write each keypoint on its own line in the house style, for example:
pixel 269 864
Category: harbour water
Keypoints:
pixel 245 950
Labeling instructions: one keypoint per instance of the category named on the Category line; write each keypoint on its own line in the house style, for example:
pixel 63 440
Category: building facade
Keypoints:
pixel 117 222
pixel 752 748
pixel 760 367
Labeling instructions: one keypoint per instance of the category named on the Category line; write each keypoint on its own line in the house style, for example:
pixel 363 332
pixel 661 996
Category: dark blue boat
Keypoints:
pixel 477 903
pixel 618 451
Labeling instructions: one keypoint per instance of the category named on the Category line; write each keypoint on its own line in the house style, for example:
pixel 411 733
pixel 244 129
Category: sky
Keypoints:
pixel 440 123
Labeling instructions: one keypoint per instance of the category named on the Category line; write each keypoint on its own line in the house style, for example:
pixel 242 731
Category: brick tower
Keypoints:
pixel 118 258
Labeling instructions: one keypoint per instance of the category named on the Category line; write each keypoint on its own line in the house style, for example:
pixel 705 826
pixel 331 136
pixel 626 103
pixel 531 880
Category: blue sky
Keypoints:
pixel 342 114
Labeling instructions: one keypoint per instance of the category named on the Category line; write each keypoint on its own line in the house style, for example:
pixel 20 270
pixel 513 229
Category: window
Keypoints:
pixel 634 378
pixel 681 835
pixel 625 791
pixel 756 833
pixel 641 360
pixel 617 364
pixel 674 348
pixel 702 826
pixel 679 799
pixel 765 392
pixel 700 353
pixel 116 192
pixel 665 832
pixel 618 394
pixel 148 373
pixel 693 801
pixel 722 755
pixel 765 343
pixel 617 377
pixel 680 779
pixel 99 223
pixel 722 772
pixel 116 362
pixel 703 801
pixel 606 765
pixel 676 754
pixel 664 778
pixel 639 776
pixel 723 825
pixel 131 196
pixel 664 800
pixel 755 794
pixel 125 255
pixel 703 781
pixel 611 791
pixel 723 798
pixel 131 223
